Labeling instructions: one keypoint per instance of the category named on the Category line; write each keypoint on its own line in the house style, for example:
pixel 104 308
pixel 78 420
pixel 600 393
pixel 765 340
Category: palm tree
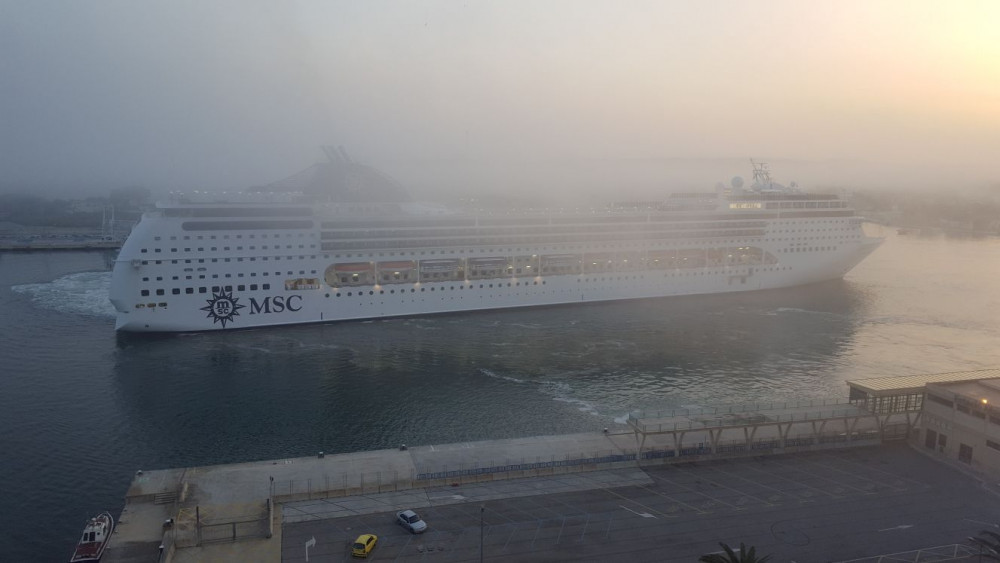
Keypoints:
pixel 989 546
pixel 744 556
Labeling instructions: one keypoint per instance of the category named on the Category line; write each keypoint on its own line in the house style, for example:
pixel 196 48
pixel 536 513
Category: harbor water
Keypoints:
pixel 83 408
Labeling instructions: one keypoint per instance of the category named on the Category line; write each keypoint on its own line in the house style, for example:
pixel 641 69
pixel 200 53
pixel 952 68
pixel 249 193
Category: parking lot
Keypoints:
pixel 825 506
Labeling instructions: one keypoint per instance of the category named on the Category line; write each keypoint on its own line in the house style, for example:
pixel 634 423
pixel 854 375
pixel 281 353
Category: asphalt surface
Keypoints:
pixel 817 507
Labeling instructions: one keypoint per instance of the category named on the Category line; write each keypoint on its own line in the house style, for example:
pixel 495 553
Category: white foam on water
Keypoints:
pixel 83 293
pixel 260 349
pixel 806 311
pixel 489 373
pixel 581 405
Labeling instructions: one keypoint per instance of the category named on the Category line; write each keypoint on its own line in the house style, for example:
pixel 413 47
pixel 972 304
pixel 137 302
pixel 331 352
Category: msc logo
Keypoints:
pixel 276 304
pixel 222 307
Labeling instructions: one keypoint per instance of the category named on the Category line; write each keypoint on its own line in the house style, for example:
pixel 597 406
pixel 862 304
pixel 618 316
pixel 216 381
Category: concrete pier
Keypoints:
pixel 235 512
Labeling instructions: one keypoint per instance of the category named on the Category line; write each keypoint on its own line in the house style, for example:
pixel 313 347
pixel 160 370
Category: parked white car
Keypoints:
pixel 411 521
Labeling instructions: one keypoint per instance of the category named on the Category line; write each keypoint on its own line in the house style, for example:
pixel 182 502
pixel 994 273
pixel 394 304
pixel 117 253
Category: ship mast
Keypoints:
pixel 761 174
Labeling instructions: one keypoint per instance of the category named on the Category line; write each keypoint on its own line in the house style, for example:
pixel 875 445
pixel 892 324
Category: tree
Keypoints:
pixel 744 556
pixel 989 546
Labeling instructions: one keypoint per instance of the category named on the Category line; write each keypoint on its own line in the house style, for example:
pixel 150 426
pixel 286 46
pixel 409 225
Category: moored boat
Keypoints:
pixel 96 535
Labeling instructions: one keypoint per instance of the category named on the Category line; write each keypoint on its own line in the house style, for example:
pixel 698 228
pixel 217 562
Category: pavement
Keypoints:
pixel 836 505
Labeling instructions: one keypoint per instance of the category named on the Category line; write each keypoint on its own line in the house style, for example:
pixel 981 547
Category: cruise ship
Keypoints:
pixel 211 265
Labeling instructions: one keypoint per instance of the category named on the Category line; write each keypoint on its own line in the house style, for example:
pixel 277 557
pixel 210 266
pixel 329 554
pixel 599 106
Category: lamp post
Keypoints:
pixel 482 510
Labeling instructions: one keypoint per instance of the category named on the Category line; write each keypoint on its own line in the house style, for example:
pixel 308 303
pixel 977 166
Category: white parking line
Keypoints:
pixel 643 514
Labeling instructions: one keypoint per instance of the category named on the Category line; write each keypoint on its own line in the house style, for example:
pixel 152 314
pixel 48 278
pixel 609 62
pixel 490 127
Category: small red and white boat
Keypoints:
pixel 95 538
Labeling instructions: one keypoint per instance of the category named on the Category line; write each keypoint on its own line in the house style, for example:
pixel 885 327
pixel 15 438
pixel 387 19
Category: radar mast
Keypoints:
pixel 761 174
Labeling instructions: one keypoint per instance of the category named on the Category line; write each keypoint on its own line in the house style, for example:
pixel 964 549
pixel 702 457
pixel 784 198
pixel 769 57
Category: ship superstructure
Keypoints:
pixel 211 266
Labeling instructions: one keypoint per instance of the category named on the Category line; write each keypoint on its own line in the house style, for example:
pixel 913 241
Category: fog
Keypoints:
pixel 561 98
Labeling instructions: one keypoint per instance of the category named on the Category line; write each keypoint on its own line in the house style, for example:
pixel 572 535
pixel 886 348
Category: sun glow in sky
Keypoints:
pixel 192 94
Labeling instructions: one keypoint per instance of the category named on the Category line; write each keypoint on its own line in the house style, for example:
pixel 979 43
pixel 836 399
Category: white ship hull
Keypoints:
pixel 171 276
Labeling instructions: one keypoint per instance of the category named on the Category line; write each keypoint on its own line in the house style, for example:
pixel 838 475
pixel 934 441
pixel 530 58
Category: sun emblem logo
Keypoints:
pixel 222 307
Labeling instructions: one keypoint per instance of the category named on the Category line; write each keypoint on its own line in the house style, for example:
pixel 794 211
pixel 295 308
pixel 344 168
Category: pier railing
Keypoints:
pixel 356 484
pixel 741 414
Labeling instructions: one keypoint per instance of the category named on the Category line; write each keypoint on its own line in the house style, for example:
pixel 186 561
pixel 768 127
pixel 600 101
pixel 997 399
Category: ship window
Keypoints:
pixel 202 289
pixel 189 290
pixel 144 292
pixel 267 286
pixel 159 292
pixel 253 287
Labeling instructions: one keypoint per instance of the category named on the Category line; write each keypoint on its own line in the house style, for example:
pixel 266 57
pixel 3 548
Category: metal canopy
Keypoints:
pixel 906 384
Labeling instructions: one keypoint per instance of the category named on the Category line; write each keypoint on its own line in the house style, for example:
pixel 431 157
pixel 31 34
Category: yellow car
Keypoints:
pixel 364 545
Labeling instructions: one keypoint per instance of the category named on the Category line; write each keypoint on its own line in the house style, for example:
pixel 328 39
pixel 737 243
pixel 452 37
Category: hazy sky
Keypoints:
pixel 189 94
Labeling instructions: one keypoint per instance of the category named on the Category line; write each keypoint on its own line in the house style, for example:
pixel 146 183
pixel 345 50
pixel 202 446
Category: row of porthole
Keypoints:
pixel 781 268
pixel 224 249
pixel 226 237
pixel 422 289
pixel 203 289
pixel 809 248
pixel 413 290
pixel 484 286
pixel 238 259
pixel 467 253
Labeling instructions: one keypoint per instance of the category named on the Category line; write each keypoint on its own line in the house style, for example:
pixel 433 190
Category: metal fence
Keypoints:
pixel 501 469
pixel 196 526
pixel 233 531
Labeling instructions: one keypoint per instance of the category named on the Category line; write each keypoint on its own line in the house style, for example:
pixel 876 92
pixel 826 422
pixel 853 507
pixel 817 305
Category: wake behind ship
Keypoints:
pixel 210 266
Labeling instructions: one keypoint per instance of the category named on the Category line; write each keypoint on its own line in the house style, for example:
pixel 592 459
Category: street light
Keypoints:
pixel 482 510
